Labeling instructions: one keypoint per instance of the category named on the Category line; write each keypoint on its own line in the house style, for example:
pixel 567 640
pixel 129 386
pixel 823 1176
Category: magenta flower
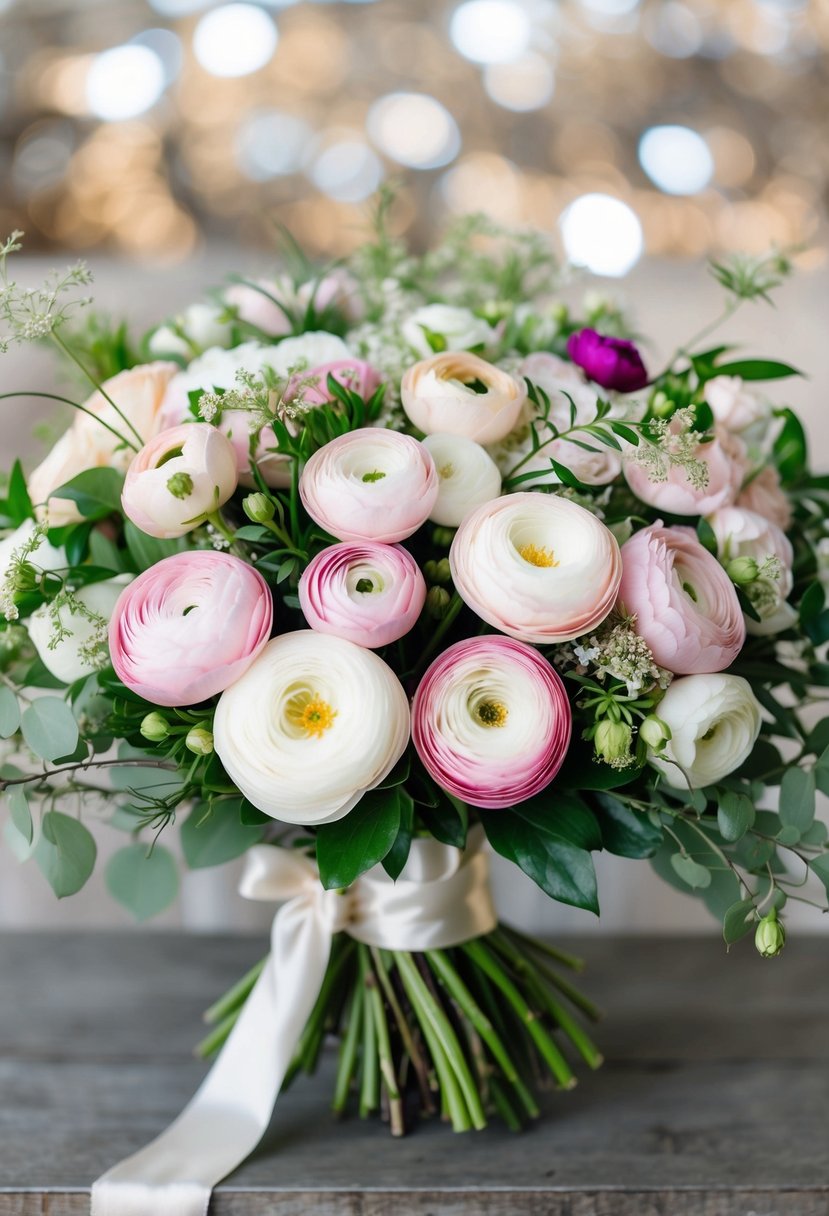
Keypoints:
pixel 189 627
pixel 491 721
pixel 613 363
pixel 369 593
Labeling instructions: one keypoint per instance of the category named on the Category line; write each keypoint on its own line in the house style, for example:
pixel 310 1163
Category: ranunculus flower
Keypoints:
pixel 370 484
pixel 338 289
pixel 613 363
pixel 742 533
pixel 536 566
pixel 265 303
pixel 685 604
pixel 311 387
pixel 764 494
pixel 725 459
pixel 468 477
pixel 459 394
pixel 449 327
pixel 189 626
pixel 733 404
pixel 76 655
pixel 311 349
pixel 714 722
pixel 596 468
pixel 87 444
pixel 312 725
pixel 491 722
pixel 197 328
pixel 369 593
pixel 179 477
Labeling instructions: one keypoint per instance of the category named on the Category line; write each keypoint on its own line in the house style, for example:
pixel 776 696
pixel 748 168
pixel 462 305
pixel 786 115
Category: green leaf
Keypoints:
pixel 820 866
pixel 213 835
pixel 706 536
pixel 447 820
pixel 398 854
pixel 735 815
pixel 738 921
pixel 763 759
pixel 21 816
pixel 812 603
pixel 757 369
pixel 18 502
pixel 790 448
pixel 625 832
pixel 146 550
pixel 691 872
pixel 65 853
pixel 358 841
pixel 95 492
pixel 564 871
pixel 582 771
pixel 105 553
pixel 566 477
pixel 797 798
pixel 9 712
pixel 142 880
pixel 49 728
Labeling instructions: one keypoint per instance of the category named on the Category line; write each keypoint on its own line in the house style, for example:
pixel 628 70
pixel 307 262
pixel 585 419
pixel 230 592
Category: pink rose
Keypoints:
pixel 370 484
pixel 266 305
pixel 360 377
pixel 371 594
pixel 178 479
pixel 189 627
pixel 491 722
pixel 764 494
pixel 725 459
pixel 684 603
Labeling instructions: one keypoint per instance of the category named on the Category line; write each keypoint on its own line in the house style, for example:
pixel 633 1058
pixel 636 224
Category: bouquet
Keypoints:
pixel 364 572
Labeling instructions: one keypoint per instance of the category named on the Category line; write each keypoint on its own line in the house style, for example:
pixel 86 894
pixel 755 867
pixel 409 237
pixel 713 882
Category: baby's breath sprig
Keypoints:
pixel 672 444
pixel 29 313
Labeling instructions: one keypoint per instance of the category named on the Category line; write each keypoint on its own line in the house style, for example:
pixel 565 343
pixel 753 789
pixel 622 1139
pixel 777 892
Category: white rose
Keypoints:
pixel 744 533
pixel 455 329
pixel 200 326
pixel 468 477
pixel 313 724
pixel 714 722
pixel 66 659
pixel 733 405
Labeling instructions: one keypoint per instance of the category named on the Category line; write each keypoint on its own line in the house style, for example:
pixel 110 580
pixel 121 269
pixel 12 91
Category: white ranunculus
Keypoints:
pixel 714 721
pixel 734 405
pixel 65 659
pixel 215 368
pixel 744 533
pixel 200 326
pixel 468 477
pixel 454 328
pixel 305 352
pixel 44 557
pixel 313 724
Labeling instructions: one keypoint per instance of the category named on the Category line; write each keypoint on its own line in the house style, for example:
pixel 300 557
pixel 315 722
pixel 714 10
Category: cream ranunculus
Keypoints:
pixel 83 649
pixel 743 533
pixel 714 722
pixel 449 328
pixel 197 328
pixel 87 444
pixel 468 477
pixel 178 479
pixel 538 567
pixel 313 724
pixel 734 405
pixel 459 394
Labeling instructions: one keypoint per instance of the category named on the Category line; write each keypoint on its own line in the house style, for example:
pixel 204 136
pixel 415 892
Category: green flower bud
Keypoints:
pixel 180 485
pixel 437 601
pixel 430 570
pixel 742 570
pixel 661 404
pixel 258 508
pixel 654 732
pixel 443 537
pixel 443 572
pixel 155 728
pixel 25 577
pixel 770 937
pixel 612 741
pixel 199 740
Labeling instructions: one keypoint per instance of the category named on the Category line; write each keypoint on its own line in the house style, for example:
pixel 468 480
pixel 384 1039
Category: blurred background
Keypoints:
pixel 165 140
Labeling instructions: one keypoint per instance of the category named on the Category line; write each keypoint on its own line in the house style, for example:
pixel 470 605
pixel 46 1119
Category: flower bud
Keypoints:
pixel 770 937
pixel 612 741
pixel 437 601
pixel 654 732
pixel 742 570
pixel 258 508
pixel 180 485
pixel 25 577
pixel 443 536
pixel 199 740
pixel 661 404
pixel 430 570
pixel 155 728
pixel 443 572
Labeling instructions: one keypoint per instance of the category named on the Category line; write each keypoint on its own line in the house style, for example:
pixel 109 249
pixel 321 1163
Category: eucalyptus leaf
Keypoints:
pixel 797 798
pixel 65 853
pixel 212 835
pixel 142 880
pixel 21 820
pixel 690 871
pixel 735 815
pixel 49 728
pixel 820 866
pixel 9 712
pixel 738 921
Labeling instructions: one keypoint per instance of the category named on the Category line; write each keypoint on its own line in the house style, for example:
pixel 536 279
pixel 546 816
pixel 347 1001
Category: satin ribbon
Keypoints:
pixel 442 898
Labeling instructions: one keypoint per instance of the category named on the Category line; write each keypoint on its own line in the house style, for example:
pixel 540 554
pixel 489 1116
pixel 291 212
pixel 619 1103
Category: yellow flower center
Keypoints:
pixel 538 555
pixel 446 471
pixel 492 713
pixel 311 714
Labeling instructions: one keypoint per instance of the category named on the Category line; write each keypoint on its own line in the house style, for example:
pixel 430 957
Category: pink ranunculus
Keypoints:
pixel 179 478
pixel 613 363
pixel 725 459
pixel 263 303
pixel 336 290
pixel 766 496
pixel 684 603
pixel 734 405
pixel 311 387
pixel 369 593
pixel 189 627
pixel 370 484
pixel 491 722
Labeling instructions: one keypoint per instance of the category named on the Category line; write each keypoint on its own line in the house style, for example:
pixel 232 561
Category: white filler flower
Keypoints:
pixel 313 724
pixel 468 476
pixel 714 721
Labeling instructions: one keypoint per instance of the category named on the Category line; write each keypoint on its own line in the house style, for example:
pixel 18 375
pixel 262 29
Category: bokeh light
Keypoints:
pixel 602 234
pixel 676 159
pixel 414 129
pixel 234 40
pixel 347 171
pixel 124 82
pixel 524 84
pixel 271 143
pixel 490 31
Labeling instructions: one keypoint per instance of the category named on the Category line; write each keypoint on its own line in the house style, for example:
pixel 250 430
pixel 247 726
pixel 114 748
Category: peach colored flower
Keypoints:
pixel 457 393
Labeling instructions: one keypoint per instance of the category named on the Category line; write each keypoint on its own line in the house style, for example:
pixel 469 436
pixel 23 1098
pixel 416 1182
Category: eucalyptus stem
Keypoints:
pixel 85 764
pixel 235 997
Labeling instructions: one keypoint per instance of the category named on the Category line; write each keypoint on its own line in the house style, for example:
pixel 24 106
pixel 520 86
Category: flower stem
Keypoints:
pixel 75 406
pixel 384 1054
pixel 410 1047
pixel 348 1050
pixel 566 960
pixel 235 997
pixel 454 607
pixel 67 350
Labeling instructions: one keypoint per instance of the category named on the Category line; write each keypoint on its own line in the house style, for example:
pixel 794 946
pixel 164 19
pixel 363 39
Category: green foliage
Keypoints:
pixel 626 832
pixel 735 815
pixel 142 880
pixel 9 712
pixel 214 833
pixel 95 492
pixel 49 728
pixel 361 839
pixel 146 550
pixel 65 853
pixel 797 799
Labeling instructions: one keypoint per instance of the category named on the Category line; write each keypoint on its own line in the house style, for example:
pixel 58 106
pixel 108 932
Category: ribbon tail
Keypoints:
pixel 227 1117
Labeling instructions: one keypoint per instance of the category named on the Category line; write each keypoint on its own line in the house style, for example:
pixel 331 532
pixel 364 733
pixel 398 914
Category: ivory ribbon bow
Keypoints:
pixel 441 898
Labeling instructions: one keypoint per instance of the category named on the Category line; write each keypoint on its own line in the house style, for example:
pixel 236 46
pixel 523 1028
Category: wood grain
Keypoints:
pixel 714 1100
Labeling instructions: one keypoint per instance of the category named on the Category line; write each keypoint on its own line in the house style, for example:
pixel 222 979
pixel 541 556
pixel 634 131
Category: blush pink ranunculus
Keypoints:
pixel 189 627
pixel 370 484
pixel 458 393
pixel 369 593
pixel 765 495
pixel 179 478
pixel 491 722
pixel 684 603
pixel 725 460
pixel 264 303
pixel 311 387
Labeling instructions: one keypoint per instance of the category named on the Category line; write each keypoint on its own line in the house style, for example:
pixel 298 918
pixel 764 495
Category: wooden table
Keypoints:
pixel 714 1100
